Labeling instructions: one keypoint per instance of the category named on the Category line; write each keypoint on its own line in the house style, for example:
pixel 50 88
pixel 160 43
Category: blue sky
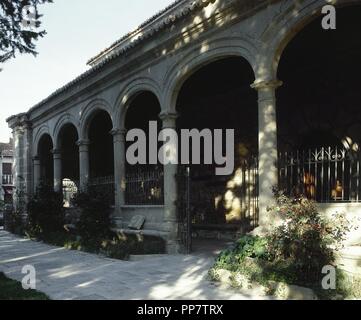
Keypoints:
pixel 76 31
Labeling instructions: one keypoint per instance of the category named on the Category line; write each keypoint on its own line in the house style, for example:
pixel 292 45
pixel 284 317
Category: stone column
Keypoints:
pixel 84 163
pixel 22 166
pixel 119 167
pixel 18 169
pixel 58 179
pixel 36 169
pixel 28 168
pixel 170 192
pixel 268 152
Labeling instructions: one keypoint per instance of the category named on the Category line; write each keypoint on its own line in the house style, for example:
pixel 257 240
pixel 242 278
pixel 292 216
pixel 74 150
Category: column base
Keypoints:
pixel 266 225
pixel 173 247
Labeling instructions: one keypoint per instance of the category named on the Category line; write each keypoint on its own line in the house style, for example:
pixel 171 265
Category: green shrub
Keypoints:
pixel 295 251
pixel 94 225
pixel 246 247
pixel 93 230
pixel 45 212
pixel 348 286
pixel 14 222
pixel 305 239
pixel 14 217
pixel 59 238
pixel 12 290
pixel 122 247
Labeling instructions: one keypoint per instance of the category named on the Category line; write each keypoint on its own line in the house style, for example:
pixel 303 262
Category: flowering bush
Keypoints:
pixel 305 238
pixel 294 252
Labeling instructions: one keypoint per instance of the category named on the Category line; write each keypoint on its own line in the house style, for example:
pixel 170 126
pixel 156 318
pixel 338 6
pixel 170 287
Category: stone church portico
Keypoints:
pixel 79 131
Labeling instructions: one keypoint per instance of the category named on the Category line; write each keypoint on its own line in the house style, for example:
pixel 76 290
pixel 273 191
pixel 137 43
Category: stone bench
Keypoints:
pixel 145 232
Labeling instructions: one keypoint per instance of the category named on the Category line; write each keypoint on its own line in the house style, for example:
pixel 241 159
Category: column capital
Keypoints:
pixel 168 116
pixel 118 132
pixel 118 135
pixel 266 84
pixel 18 130
pixel 169 119
pixel 28 125
pixel 56 151
pixel 36 158
pixel 84 142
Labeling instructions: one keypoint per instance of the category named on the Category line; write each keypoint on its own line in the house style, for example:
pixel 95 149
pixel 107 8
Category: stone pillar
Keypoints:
pixel 18 168
pixel 119 167
pixel 171 192
pixel 84 163
pixel 268 152
pixel 58 178
pixel 22 166
pixel 36 170
pixel 28 167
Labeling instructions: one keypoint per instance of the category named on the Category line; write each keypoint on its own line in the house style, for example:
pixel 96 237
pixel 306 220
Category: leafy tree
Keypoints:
pixel 19 27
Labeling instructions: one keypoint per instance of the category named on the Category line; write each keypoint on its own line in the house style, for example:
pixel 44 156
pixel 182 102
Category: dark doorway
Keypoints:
pixel 101 146
pixel 101 155
pixel 319 102
pixel 45 153
pixel 219 96
pixel 318 111
pixel 144 182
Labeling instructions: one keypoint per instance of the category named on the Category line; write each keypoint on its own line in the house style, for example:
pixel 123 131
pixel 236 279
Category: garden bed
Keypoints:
pixel 92 231
pixel 118 246
pixel 290 258
pixel 280 290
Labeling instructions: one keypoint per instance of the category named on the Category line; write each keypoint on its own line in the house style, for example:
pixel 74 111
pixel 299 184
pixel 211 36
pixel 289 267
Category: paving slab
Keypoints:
pixel 72 275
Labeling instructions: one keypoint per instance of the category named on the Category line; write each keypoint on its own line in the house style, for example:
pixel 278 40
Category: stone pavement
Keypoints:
pixel 66 275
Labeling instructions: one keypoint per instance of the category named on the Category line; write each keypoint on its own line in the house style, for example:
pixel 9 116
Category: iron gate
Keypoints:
pixel 184 210
pixel 199 191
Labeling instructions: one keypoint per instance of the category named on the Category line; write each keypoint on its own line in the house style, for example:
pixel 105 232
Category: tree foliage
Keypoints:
pixel 19 27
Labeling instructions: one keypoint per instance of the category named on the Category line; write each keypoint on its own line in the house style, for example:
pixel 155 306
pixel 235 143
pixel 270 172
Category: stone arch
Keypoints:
pixel 88 113
pixel 291 21
pixel 193 61
pixel 323 118
pixel 130 92
pixel 64 120
pixel 43 130
pixel 44 149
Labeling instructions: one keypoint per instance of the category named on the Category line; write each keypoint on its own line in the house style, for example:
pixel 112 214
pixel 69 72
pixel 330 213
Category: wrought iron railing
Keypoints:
pixel 144 186
pixel 104 186
pixel 325 174
pixel 220 200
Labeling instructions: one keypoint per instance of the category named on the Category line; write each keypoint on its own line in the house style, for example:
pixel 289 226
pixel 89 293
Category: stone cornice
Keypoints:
pixel 19 121
pixel 144 28
pixel 99 67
